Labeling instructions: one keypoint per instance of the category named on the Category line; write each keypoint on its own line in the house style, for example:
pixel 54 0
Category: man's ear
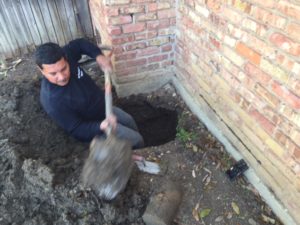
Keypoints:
pixel 41 70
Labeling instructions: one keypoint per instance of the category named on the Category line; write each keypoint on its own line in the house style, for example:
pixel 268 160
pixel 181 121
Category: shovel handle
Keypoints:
pixel 108 99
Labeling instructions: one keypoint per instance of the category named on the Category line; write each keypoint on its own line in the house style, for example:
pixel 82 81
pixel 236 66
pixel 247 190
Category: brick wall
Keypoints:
pixel 142 33
pixel 242 57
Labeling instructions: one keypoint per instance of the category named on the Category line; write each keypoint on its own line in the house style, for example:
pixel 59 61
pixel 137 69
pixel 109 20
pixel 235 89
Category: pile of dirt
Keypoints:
pixel 40 165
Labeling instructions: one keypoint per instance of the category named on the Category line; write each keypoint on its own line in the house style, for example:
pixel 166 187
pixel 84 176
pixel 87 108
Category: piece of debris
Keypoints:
pixel 237 169
pixel 235 207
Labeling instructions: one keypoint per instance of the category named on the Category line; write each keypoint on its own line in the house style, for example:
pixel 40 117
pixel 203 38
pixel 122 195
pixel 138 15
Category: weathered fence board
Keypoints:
pixel 25 24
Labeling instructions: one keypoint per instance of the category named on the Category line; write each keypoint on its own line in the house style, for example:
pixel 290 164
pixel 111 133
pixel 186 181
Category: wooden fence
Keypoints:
pixel 25 24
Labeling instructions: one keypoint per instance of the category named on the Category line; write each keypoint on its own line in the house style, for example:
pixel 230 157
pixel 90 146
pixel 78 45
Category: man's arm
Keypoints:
pixel 74 125
pixel 81 46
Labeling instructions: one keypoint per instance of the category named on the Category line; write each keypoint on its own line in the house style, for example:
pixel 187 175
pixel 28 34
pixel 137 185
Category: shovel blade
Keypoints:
pixel 108 167
pixel 148 167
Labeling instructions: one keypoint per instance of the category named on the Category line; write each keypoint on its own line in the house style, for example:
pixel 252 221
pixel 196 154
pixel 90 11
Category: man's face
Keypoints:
pixel 57 73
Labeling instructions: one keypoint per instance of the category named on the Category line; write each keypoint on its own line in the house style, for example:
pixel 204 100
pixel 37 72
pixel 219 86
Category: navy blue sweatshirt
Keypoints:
pixel 79 106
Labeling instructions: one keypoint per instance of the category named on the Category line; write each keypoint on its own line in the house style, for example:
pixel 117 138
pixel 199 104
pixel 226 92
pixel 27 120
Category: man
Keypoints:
pixel 72 99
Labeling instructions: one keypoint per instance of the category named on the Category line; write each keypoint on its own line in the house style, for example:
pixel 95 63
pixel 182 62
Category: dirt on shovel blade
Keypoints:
pixel 108 167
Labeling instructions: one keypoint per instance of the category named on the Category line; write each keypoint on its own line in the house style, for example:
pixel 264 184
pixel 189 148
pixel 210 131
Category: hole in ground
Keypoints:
pixel 157 125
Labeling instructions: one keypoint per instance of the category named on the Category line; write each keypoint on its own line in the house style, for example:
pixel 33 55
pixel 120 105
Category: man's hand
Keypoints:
pixel 104 62
pixel 110 121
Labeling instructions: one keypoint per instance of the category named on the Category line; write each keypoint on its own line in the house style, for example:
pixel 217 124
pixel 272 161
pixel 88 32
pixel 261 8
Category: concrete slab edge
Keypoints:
pixel 263 190
pixel 143 83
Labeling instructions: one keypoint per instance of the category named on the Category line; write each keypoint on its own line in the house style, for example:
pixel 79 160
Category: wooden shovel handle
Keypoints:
pixel 108 99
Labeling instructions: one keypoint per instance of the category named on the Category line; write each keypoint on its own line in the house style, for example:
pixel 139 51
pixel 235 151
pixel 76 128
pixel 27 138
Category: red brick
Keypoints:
pixel 112 11
pixel 271 114
pixel 142 1
pixel 173 21
pixel 263 121
pixel 118 50
pixel 166 13
pixel 215 42
pixel 166 48
pixel 149 51
pixel 289 9
pixel 126 71
pixel 130 63
pixel 213 5
pixel 230 14
pixel 151 34
pixel 266 17
pixel 242 6
pixel 248 53
pixel 152 25
pixel 126 56
pixel 167 63
pixel 120 20
pixel 285 62
pixel 114 30
pixel 122 40
pixel 133 46
pixel 146 17
pixel 152 7
pixel 231 80
pixel 150 67
pixel 133 9
pixel 293 30
pixel 294 83
pixel 266 3
pixel 297 153
pixel 267 95
pixel 158 5
pixel 164 23
pixel 157 58
pixel 289 97
pixel 285 44
pixel 220 22
pixel 133 28
pixel 257 74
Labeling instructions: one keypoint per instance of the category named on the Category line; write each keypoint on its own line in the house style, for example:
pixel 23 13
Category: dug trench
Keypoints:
pixel 40 164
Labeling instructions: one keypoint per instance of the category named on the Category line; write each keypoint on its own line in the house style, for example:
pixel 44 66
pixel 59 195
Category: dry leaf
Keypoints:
pixel 207 181
pixel 229 215
pixel 193 173
pixel 219 219
pixel 235 207
pixel 195 212
pixel 268 219
pixel 252 221
pixel 195 148
pixel 207 170
pixel 204 213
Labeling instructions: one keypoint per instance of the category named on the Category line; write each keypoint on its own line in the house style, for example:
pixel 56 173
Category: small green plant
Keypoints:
pixel 184 135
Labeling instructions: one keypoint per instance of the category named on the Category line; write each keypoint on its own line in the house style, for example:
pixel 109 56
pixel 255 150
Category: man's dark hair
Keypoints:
pixel 48 53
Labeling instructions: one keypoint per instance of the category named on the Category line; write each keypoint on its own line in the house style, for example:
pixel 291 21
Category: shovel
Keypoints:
pixel 109 165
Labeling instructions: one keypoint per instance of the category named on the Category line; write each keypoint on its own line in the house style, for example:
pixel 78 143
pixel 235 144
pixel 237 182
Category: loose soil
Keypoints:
pixel 40 164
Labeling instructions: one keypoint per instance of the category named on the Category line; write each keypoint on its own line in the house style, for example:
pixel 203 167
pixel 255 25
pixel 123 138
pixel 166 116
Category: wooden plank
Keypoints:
pixel 48 21
pixel 5 37
pixel 75 31
pixel 64 20
pixel 22 26
pixel 26 7
pixel 39 20
pixel 84 17
pixel 56 22
pixel 5 11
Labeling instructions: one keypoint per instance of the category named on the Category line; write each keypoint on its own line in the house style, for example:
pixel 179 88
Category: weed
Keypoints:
pixel 184 135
